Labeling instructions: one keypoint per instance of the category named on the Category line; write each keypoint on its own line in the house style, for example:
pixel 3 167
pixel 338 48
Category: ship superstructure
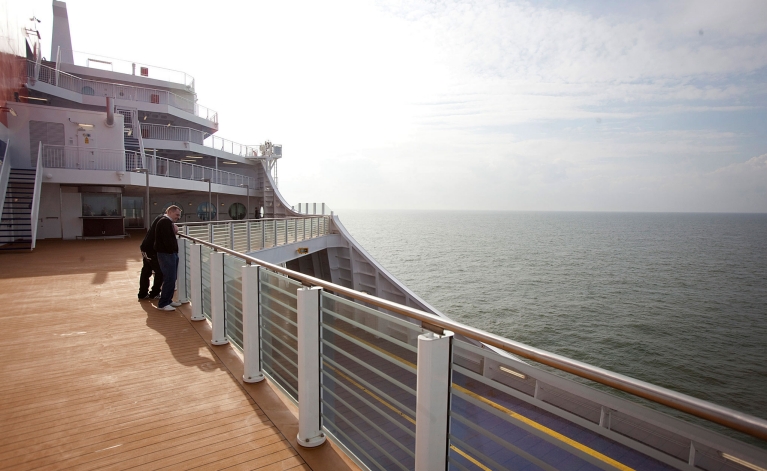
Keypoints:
pixel 95 147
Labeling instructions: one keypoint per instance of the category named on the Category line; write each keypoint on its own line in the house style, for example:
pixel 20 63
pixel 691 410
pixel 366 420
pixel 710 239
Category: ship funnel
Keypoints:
pixel 110 112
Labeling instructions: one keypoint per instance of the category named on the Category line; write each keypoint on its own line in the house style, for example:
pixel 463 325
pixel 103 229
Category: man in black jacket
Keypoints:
pixel 150 265
pixel 166 246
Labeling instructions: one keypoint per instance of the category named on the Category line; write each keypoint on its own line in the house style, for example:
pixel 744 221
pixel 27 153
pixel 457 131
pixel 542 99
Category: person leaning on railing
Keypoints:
pixel 166 245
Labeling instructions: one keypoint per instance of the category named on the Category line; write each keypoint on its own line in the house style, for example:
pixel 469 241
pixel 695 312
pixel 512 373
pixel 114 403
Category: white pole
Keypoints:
pixel 432 401
pixel 217 310
pixel 309 430
pixel 183 296
pixel 195 268
pixel 250 325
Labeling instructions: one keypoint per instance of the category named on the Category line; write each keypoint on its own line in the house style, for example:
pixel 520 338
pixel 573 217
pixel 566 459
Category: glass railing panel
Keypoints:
pixel 268 233
pixel 369 382
pixel 240 233
pixel 279 344
pixel 291 229
pixel 221 234
pixel 201 231
pixel 233 299
pixel 281 232
pixel 188 266
pixel 256 235
pixel 508 414
pixel 205 265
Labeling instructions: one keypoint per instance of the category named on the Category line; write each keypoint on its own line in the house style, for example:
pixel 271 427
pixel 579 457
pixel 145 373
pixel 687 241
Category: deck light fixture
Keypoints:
pixel 227 162
pixel 5 109
pixel 194 156
pixel 512 372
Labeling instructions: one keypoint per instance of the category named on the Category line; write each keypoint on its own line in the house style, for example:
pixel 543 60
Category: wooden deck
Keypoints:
pixel 94 379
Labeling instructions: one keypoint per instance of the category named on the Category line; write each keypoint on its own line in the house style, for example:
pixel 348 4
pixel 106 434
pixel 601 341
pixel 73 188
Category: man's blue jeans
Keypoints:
pixel 169 267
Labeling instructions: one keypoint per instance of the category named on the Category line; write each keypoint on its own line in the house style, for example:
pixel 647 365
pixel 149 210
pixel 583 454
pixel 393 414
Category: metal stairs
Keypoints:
pixel 16 221
pixel 131 130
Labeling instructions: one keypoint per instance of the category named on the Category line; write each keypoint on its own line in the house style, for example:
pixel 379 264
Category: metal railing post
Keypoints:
pixel 432 401
pixel 309 422
pixel 295 230
pixel 263 234
pixel 286 231
pixel 250 324
pixel 275 224
pixel 231 236
pixel 217 309
pixel 195 267
pixel 183 296
pixel 247 234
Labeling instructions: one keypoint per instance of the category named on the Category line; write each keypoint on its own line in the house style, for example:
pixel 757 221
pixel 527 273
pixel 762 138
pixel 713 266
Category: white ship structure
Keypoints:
pixel 96 147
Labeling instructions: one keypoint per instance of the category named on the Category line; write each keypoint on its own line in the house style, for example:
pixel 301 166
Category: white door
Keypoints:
pixel 71 210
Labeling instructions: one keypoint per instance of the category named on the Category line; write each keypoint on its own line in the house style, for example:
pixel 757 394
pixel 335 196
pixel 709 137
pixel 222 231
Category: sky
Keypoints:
pixel 471 105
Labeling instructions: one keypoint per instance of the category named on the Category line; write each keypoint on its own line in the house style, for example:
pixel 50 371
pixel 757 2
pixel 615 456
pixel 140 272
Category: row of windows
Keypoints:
pixel 207 212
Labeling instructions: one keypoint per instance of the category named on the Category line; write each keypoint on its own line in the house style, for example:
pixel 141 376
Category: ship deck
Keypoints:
pixel 94 379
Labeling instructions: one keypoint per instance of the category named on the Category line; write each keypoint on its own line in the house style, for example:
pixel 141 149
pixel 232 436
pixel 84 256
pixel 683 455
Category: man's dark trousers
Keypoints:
pixel 169 267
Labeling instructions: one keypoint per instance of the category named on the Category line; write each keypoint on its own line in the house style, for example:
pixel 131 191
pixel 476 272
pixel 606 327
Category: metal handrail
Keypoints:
pixel 121 91
pixel 200 223
pixel 130 67
pixel 733 419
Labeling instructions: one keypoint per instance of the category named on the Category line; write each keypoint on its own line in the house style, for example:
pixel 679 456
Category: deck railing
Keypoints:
pixel 49 75
pixel 185 134
pixel 404 389
pixel 257 234
pixel 86 158
pixel 172 133
pixel 95 61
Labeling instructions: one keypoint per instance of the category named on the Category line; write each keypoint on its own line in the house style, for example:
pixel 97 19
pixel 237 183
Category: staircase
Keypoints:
pixel 131 133
pixel 16 221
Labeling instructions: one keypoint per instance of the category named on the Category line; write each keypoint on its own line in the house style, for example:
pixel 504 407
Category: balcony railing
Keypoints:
pixel 95 61
pixel 185 134
pixel 84 158
pixel 51 76
pixel 257 234
pixel 403 389
pixel 172 133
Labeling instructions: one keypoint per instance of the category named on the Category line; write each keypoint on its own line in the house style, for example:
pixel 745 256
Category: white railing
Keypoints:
pixel 36 196
pixel 231 147
pixel 186 134
pixel 95 61
pixel 172 133
pixel 118 160
pixel 257 234
pixel 165 167
pixel 83 158
pixel 312 208
pixel 119 91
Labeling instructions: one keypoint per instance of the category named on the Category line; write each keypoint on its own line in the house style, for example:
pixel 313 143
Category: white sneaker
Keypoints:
pixel 167 308
pixel 175 303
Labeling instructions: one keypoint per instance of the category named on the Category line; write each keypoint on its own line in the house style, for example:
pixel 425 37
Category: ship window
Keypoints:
pixel 206 212
pixel 238 211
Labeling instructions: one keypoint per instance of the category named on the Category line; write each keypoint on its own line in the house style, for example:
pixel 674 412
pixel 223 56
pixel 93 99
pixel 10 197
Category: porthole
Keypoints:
pixel 206 212
pixel 238 211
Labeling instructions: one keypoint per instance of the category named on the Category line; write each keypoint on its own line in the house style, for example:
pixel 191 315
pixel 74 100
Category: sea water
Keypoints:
pixel 678 300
